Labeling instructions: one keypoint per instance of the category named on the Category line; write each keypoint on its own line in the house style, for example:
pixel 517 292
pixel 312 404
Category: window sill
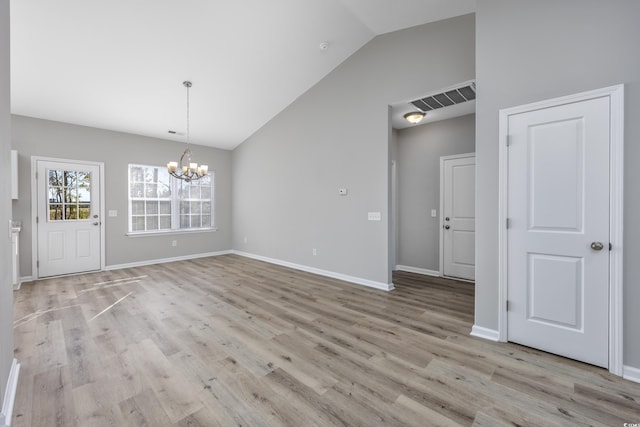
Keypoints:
pixel 169 232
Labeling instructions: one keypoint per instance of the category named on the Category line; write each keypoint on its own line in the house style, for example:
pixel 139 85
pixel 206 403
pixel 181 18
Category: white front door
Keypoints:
pixel 458 174
pixel 68 218
pixel 558 229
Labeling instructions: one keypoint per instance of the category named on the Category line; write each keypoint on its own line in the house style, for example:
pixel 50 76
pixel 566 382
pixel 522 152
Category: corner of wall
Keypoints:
pixel 10 395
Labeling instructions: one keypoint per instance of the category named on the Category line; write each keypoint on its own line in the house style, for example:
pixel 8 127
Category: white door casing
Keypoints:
pixel 69 235
pixel 457 216
pixel 561 191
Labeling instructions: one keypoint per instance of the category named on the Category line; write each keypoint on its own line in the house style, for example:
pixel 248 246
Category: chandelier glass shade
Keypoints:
pixel 186 169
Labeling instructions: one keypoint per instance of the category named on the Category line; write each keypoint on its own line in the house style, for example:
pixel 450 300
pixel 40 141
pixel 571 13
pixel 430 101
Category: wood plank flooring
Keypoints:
pixel 230 341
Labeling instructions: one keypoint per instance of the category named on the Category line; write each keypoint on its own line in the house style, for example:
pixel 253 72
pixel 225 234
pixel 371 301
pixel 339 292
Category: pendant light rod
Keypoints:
pixel 188 85
pixel 185 169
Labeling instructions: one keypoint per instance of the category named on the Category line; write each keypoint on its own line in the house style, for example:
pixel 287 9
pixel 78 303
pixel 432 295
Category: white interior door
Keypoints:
pixel 558 232
pixel 68 218
pixel 458 175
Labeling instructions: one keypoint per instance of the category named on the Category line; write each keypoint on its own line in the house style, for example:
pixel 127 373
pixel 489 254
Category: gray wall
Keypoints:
pixel 6 288
pixel 287 175
pixel 531 51
pixel 35 137
pixel 418 168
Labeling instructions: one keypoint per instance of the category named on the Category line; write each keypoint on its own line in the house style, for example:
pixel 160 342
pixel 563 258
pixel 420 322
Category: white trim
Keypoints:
pixel 22 280
pixel 169 232
pixel 486 333
pixel 163 260
pixel 503 175
pixel 393 226
pixel 632 374
pixel 174 199
pixel 339 276
pixel 616 196
pixel 10 395
pixel 418 270
pixel 441 217
pixel 616 177
pixel 34 208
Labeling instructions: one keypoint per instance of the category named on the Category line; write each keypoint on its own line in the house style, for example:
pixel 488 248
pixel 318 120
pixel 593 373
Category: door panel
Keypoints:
pixel 83 243
pixel 556 176
pixel 556 290
pixel 558 204
pixel 68 218
pixel 463 242
pixel 458 211
pixel 55 240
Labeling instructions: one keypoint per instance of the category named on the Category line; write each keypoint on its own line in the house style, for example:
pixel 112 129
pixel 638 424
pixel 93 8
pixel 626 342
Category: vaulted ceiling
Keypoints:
pixel 120 64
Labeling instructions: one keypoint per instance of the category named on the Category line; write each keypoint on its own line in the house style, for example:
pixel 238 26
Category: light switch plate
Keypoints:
pixel 113 213
pixel 374 216
pixel 433 213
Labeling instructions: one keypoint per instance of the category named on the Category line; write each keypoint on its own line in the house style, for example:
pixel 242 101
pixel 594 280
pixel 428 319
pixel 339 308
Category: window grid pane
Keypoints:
pixel 154 196
pixel 195 203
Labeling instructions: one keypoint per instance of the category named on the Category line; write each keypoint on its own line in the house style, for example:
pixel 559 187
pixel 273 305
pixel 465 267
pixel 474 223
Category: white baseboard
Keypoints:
pixel 22 280
pixel 339 276
pixel 164 260
pixel 486 333
pixel 418 270
pixel 630 373
pixel 10 395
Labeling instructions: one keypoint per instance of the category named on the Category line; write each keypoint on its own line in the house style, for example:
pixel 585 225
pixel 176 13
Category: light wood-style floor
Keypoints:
pixel 236 342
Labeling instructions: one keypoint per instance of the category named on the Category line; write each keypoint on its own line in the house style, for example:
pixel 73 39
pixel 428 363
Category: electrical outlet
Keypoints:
pixel 245 239
pixel 315 252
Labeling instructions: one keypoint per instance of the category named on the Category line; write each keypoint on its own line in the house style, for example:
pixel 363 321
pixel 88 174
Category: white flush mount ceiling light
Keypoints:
pixel 186 169
pixel 414 117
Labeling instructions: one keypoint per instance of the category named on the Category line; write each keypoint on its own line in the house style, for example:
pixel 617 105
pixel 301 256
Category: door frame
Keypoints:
pixel 441 208
pixel 34 208
pixel 616 175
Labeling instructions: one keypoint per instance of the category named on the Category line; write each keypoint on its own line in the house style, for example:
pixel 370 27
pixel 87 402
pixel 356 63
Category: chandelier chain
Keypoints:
pixel 187 171
pixel 188 85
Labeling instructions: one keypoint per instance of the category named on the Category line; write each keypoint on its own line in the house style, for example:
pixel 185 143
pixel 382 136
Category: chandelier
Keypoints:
pixel 186 169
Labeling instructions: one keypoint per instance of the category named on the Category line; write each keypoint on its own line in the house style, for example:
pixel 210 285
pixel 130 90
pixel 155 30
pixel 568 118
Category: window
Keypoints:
pixel 159 202
pixel 69 195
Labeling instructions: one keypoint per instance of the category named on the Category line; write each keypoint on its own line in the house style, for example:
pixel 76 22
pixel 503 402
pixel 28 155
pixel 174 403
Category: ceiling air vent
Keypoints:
pixel 445 99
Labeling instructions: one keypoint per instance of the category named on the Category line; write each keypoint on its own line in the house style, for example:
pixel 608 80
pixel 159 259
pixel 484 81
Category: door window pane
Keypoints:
pixel 55 212
pixel 69 195
pixel 84 211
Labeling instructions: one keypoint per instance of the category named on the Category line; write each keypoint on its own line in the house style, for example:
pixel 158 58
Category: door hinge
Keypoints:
pixel 507 141
pixel 507 305
pixel 610 246
pixel 36 175
pixel 508 222
pixel 37 220
pixel 38 264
